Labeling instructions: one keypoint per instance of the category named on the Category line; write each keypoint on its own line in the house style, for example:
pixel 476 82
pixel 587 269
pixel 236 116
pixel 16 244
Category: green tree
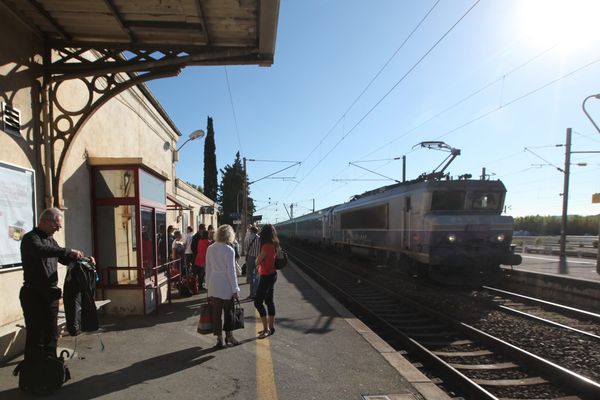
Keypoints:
pixel 210 162
pixel 231 191
pixel 550 224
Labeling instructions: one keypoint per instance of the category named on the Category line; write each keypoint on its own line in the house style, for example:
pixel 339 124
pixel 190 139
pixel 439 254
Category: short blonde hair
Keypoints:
pixel 225 234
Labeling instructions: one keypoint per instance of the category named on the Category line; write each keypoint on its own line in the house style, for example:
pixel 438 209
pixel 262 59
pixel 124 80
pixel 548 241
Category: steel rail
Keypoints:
pixel 547 321
pixel 555 306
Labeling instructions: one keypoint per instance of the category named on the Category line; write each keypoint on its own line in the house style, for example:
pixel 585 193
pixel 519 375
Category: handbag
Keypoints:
pixel 281 259
pixel 205 323
pixel 44 376
pixel 238 316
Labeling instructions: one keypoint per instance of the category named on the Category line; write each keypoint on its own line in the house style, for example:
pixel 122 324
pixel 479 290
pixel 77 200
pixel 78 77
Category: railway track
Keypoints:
pixel 569 318
pixel 470 361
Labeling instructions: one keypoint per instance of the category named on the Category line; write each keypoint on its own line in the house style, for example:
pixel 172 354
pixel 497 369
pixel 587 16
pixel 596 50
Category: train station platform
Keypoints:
pixel 319 351
pixel 575 268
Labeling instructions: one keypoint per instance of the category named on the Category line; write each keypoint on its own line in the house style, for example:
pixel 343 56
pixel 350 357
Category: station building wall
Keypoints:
pixel 130 125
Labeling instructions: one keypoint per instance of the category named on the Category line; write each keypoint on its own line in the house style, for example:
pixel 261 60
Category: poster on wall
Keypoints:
pixel 17 211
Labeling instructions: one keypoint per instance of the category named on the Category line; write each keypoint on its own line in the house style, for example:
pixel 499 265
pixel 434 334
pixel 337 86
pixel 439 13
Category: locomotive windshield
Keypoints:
pixel 448 200
pixel 486 201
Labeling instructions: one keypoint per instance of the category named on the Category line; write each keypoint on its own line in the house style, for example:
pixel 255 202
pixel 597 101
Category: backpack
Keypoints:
pixel 43 376
pixel 184 288
pixel 281 259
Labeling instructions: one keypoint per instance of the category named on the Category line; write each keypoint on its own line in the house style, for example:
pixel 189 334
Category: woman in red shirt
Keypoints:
pixel 200 261
pixel 269 245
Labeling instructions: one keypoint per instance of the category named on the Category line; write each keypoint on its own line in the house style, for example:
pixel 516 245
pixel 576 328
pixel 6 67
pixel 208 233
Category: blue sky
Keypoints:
pixel 511 74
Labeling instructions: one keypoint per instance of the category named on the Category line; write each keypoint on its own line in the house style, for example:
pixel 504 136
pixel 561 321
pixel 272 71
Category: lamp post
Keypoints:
pixel 193 136
pixel 596 96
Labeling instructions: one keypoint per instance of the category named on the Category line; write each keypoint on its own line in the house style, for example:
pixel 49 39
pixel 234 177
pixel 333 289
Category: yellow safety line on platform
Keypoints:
pixel 265 377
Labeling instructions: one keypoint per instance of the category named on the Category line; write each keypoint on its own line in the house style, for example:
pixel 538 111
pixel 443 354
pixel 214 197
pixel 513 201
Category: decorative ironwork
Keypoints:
pixel 105 70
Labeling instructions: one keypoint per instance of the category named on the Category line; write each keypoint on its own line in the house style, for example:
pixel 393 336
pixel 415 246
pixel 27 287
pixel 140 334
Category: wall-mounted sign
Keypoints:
pixel 17 211
pixel 596 198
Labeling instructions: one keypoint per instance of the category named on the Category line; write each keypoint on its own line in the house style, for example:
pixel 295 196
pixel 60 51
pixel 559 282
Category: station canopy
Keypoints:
pixel 185 32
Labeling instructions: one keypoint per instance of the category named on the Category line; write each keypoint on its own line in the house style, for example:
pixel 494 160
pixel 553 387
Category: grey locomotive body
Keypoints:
pixel 438 223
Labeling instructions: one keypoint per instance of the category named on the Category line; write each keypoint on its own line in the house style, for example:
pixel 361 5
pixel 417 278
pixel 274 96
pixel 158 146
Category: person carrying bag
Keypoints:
pixel 205 322
pixel 238 316
pixel 222 285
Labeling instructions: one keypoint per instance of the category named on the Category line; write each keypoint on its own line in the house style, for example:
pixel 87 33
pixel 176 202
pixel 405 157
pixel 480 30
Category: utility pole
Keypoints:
pixel 292 211
pixel 313 205
pixel 403 168
pixel 245 214
pixel 562 262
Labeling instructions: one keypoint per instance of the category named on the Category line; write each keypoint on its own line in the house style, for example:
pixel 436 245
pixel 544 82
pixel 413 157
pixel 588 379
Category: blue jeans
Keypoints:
pixel 251 274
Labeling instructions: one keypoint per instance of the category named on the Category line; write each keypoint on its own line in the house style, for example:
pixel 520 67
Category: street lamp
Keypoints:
pixel 193 136
pixel 597 96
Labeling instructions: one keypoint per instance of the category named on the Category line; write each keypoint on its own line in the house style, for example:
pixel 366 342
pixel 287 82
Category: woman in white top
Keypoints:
pixel 221 283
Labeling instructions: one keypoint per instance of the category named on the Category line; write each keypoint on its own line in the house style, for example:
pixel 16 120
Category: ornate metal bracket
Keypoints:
pixel 103 71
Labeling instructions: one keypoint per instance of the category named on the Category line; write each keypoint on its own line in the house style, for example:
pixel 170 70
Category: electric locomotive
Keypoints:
pixel 430 224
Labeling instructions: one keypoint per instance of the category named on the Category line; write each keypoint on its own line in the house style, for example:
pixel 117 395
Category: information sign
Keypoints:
pixel 17 211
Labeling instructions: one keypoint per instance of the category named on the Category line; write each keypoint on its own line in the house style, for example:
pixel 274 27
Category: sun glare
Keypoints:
pixel 572 24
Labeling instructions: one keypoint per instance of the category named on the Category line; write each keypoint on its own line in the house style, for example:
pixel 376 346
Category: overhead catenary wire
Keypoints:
pixel 504 105
pixel 406 74
pixel 519 98
pixel 477 118
pixel 465 98
pixel 237 131
pixel 373 79
pixel 515 100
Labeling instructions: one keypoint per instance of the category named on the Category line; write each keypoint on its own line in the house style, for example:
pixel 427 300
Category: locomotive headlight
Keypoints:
pixel 451 238
pixel 500 237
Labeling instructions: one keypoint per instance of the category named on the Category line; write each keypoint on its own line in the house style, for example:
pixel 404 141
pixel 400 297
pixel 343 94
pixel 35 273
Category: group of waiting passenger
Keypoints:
pixel 212 256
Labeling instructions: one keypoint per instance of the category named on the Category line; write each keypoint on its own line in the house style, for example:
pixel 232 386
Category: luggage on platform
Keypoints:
pixel 42 376
pixel 79 297
pixel 193 284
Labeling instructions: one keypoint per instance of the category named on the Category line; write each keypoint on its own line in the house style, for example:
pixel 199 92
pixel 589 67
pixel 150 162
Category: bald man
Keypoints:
pixel 40 254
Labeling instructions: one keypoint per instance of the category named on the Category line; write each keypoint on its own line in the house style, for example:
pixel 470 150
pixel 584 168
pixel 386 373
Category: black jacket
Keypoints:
pixel 195 240
pixel 40 255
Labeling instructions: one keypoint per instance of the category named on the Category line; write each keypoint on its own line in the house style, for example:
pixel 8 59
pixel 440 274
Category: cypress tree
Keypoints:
pixel 210 162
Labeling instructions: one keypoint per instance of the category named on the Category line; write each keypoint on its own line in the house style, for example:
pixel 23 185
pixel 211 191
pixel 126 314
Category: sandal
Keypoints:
pixel 219 344
pixel 271 331
pixel 231 341
pixel 264 334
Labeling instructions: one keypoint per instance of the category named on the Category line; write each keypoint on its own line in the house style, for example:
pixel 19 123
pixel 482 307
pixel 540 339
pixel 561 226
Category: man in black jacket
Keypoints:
pixel 40 294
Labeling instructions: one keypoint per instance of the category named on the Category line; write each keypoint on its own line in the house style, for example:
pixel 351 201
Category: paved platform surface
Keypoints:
pixel 319 351
pixel 580 268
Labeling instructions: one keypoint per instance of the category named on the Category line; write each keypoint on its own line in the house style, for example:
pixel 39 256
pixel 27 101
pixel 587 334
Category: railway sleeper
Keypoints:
pixel 505 365
pixel 399 320
pixel 476 353
pixel 428 343
pixel 462 342
pixel 418 335
pixel 417 328
pixel 511 382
